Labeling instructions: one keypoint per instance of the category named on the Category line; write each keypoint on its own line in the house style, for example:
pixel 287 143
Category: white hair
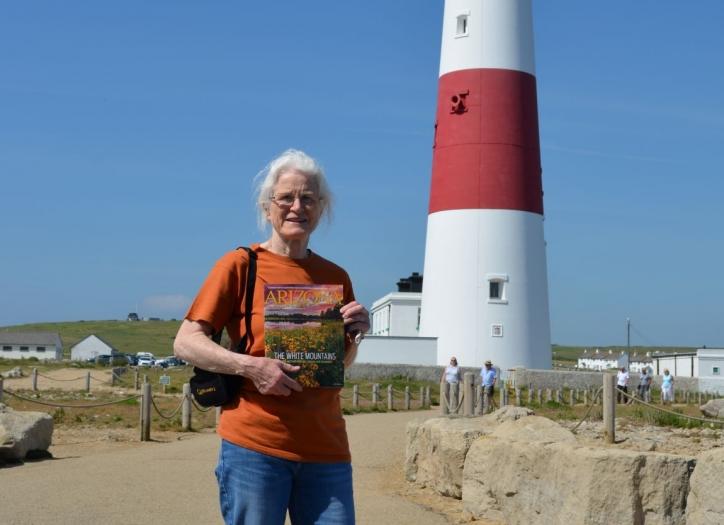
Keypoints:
pixel 290 160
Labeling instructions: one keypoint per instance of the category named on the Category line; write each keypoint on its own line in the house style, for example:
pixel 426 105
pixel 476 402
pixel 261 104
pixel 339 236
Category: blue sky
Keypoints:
pixel 130 133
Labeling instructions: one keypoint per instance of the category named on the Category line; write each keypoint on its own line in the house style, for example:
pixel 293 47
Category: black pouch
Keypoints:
pixel 212 389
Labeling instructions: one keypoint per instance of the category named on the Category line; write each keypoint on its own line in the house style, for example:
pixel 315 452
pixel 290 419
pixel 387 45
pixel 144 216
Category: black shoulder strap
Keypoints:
pixel 241 347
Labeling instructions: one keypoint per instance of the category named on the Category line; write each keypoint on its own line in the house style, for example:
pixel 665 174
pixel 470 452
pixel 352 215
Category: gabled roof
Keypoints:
pixel 109 345
pixel 31 338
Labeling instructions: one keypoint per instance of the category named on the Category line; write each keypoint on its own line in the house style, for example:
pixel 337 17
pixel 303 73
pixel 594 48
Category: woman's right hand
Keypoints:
pixel 270 376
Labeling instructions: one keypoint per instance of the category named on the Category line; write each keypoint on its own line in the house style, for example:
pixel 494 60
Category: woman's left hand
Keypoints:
pixel 356 318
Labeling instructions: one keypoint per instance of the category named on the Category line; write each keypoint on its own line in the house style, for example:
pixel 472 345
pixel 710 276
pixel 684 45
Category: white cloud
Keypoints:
pixel 165 305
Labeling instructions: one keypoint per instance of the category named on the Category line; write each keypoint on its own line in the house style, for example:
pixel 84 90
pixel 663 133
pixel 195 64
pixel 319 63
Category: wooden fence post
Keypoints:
pixel 428 399
pixel 539 396
pixel 186 408
pixel 355 396
pixel 444 393
pixel 135 380
pixel 87 382
pixel 1 389
pixel 407 398
pixel 375 393
pixel 517 397
pixel 479 402
pixel 572 397
pixel 146 413
pixel 468 393
pixel 35 379
pixel 486 401
pixel 559 397
pixel 585 396
pixel 609 408
pixel 390 404
pixel 422 397
pixel 530 394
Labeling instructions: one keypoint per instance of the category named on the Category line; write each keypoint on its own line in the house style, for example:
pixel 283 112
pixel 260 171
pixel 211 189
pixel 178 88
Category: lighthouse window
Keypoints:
pixel 497 288
pixel 462 25
pixel 716 371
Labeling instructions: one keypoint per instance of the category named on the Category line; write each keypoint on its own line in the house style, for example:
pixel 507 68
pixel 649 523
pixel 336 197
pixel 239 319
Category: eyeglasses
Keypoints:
pixel 286 200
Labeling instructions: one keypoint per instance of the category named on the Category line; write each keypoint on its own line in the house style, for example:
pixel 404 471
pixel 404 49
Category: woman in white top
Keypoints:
pixel 667 387
pixel 451 374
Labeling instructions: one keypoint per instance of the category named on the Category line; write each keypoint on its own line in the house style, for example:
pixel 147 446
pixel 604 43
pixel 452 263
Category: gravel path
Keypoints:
pixel 92 480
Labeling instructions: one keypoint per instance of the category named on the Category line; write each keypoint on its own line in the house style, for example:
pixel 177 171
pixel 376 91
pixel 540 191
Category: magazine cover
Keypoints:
pixel 303 326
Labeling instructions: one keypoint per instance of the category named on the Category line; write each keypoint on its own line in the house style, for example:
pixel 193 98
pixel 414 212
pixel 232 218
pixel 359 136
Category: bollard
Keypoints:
pixel 135 380
pixel 146 413
pixel 186 408
pixel 87 382
pixel 444 398
pixel 478 400
pixel 517 397
pixel 355 396
pixel 468 393
pixel 389 398
pixel 407 398
pixel 35 379
pixel 609 408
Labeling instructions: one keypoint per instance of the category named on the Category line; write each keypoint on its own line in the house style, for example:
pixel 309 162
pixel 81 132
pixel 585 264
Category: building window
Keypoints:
pixel 462 25
pixel 7 348
pixel 716 371
pixel 497 288
pixel 24 348
pixel 496 330
pixel 418 318
pixel 40 349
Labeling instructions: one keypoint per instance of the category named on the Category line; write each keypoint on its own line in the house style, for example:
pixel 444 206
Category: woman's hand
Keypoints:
pixel 356 318
pixel 270 376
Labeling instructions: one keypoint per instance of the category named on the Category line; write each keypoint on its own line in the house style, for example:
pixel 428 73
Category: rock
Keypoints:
pixel 705 504
pixel 508 413
pixel 529 472
pixel 713 408
pixel 13 373
pixel 436 448
pixel 24 432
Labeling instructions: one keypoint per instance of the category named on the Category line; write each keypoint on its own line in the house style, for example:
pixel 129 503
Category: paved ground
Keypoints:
pixel 173 482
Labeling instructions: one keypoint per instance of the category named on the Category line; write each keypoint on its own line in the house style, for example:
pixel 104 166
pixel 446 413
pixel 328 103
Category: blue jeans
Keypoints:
pixel 257 489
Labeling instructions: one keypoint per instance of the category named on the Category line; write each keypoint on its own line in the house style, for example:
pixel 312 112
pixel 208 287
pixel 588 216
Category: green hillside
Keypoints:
pixel 130 337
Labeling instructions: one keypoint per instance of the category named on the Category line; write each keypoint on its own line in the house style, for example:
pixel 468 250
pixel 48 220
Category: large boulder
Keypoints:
pixel 713 408
pixel 436 448
pixel 24 432
pixel 529 471
pixel 705 505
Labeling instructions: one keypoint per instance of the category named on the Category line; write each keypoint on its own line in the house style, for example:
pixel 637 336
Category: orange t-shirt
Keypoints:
pixel 305 426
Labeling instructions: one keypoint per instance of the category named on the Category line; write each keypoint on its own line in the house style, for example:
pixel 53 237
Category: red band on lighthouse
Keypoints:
pixel 487 154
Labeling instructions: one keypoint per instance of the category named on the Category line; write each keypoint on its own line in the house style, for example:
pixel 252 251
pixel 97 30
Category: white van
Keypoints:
pixel 145 358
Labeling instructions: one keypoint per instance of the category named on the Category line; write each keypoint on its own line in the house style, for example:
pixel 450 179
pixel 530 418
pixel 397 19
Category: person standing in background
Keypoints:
pixel 622 379
pixel 489 378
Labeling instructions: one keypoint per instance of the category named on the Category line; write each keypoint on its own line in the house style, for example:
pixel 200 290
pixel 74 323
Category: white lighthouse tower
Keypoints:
pixel 485 291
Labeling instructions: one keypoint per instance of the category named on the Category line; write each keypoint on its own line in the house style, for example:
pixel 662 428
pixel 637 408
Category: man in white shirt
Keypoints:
pixel 622 384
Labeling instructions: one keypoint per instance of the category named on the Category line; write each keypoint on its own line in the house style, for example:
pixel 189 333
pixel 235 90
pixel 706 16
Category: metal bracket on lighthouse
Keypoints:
pixel 458 103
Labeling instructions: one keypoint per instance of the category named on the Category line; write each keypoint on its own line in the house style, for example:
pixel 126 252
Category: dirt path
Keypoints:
pixel 105 479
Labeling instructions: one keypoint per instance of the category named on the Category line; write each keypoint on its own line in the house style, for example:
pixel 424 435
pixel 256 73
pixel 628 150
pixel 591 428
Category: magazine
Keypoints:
pixel 303 326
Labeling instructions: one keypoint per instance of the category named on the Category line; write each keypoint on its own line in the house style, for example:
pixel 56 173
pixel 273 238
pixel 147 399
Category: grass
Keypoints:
pixel 129 337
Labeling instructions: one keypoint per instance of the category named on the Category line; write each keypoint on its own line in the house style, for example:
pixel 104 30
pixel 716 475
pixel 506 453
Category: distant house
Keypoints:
pixel 23 345
pixel 597 360
pixel 90 347
pixel 398 313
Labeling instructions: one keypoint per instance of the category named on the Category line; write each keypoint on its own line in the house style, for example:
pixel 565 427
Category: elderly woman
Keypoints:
pixel 283 447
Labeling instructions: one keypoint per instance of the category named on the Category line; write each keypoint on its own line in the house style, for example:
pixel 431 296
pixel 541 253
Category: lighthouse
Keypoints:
pixel 485 290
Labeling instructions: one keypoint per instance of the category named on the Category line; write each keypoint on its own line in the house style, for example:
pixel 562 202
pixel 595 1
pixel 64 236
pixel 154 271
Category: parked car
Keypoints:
pixel 145 361
pixel 174 361
pixel 113 360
